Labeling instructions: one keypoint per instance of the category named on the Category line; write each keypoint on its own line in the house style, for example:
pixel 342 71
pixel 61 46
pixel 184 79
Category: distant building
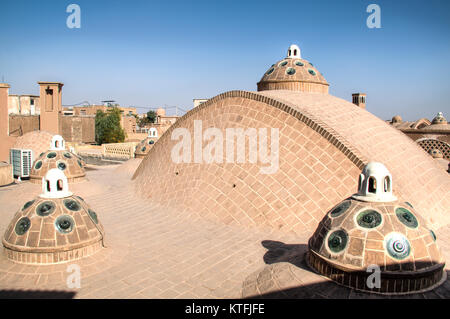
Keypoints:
pixel 20 114
pixel 197 102
pixel 359 99
pixel 25 104
pixel 433 136
pixel 127 121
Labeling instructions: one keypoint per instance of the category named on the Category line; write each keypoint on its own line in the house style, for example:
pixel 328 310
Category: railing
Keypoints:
pixel 119 150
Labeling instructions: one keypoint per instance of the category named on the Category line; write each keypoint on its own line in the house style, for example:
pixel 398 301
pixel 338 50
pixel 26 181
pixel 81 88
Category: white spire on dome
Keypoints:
pixel 55 185
pixel 152 132
pixel 375 184
pixel 293 52
pixel 58 143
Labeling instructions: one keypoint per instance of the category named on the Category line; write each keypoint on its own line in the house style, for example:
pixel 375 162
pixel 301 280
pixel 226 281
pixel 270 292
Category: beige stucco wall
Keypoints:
pixel 21 104
pixel 78 129
pixel 6 174
pixel 21 124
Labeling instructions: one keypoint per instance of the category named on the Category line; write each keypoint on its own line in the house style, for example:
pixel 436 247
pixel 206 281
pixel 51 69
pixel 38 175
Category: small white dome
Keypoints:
pixel 58 143
pixel 375 184
pixel 55 185
pixel 152 132
pixel 293 52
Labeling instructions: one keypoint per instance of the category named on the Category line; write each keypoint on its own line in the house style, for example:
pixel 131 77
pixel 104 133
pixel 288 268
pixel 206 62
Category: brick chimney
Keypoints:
pixel 359 99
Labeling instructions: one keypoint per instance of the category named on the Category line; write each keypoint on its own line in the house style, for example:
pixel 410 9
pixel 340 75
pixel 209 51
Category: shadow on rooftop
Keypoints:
pixel 36 294
pixel 281 252
pixel 295 254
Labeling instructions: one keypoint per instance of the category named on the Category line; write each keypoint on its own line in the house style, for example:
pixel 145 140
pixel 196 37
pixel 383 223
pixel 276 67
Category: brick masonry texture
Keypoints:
pixel 42 243
pixel 74 169
pixel 38 141
pixel 276 77
pixel 154 252
pixel 324 143
pixel 313 174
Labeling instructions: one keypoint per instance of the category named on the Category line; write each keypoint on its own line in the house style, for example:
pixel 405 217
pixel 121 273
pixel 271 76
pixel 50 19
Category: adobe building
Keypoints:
pixel 51 106
pixel 197 102
pixel 127 120
pixel 20 115
pixel 162 122
pixel 25 104
pixel 324 143
pixel 433 136
pixel 7 140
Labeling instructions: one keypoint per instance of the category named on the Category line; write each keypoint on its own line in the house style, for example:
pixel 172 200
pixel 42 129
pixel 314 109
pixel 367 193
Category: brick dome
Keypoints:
pixel 358 233
pixel 293 73
pixel 439 119
pixel 324 142
pixel 144 147
pixel 396 119
pixel 54 227
pixel 57 157
pixel 38 141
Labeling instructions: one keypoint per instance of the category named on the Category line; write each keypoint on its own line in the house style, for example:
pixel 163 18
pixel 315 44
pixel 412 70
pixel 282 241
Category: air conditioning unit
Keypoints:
pixel 21 160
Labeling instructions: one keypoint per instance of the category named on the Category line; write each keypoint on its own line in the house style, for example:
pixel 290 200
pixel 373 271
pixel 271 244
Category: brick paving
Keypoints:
pixel 154 252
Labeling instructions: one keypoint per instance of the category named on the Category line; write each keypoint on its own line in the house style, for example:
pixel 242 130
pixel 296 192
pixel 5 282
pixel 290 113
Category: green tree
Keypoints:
pixel 151 116
pixel 107 126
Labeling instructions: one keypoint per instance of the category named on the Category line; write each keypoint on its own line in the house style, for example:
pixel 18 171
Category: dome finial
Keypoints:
pixel 153 132
pixel 439 119
pixel 375 184
pixel 58 143
pixel 55 185
pixel 293 52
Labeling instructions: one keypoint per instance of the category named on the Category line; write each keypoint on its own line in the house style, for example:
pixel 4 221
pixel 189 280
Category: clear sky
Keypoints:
pixel 157 53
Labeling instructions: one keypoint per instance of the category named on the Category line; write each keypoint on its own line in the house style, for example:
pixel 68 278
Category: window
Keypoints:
pixel 48 99
pixel 295 52
pixel 387 184
pixel 290 71
pixel 270 71
pixel 372 185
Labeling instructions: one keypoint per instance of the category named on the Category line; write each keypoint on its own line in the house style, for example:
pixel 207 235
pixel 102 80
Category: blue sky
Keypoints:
pixel 157 53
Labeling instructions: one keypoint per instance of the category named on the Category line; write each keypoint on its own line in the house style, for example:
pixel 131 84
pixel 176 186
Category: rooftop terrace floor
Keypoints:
pixel 153 252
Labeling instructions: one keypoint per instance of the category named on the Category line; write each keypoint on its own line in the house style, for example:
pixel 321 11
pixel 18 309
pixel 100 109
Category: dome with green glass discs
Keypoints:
pixel 293 73
pixel 375 228
pixel 144 147
pixel 57 226
pixel 58 157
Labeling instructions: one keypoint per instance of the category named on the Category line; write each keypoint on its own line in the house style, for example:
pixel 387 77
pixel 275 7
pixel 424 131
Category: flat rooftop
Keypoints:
pixel 153 252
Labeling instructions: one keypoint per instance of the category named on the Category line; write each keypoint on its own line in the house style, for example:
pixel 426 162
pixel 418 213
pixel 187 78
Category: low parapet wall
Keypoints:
pixel 119 150
pixel 6 174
